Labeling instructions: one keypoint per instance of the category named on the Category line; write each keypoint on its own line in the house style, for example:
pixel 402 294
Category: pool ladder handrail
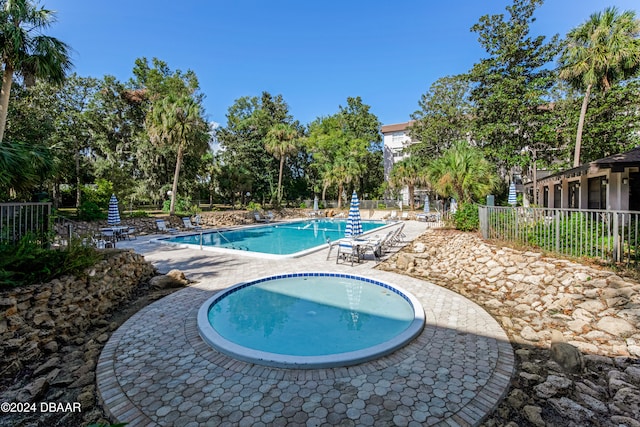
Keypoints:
pixel 240 248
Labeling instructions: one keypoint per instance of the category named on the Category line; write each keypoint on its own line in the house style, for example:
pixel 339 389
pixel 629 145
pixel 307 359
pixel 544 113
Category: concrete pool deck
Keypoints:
pixel 156 370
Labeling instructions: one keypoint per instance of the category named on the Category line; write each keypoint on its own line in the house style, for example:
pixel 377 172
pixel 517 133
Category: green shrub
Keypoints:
pixel 90 211
pixel 466 217
pixel 303 205
pixel 253 206
pixel 138 214
pixel 30 261
pixel 183 206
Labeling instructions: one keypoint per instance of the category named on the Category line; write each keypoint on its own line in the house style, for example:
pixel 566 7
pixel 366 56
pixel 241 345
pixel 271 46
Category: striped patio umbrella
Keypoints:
pixel 426 204
pixel 512 194
pixel 354 222
pixel 113 217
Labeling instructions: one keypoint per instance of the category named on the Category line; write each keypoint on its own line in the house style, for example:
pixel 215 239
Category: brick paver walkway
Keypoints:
pixel 155 369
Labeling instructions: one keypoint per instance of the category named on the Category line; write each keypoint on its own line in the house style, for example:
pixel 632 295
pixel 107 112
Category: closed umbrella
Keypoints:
pixel 113 217
pixel 315 204
pixel 426 204
pixel 354 222
pixel 512 194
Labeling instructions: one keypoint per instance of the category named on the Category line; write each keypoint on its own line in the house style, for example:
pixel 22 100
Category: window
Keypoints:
pixel 557 196
pixel 574 195
pixel 634 191
pixel 397 137
pixel 598 192
pixel 545 196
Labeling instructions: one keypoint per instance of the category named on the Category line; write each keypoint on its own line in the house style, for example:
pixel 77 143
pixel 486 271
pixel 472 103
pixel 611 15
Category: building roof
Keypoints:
pixel 616 162
pixel 396 127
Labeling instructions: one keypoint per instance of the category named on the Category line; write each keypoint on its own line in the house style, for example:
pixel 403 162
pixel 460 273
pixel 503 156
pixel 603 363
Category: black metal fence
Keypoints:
pixel 19 219
pixel 608 235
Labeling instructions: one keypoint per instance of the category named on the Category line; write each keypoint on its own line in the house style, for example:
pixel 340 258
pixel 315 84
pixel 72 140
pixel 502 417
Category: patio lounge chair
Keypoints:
pixel 162 227
pixel 189 226
pixel 398 236
pixel 128 233
pixel 259 218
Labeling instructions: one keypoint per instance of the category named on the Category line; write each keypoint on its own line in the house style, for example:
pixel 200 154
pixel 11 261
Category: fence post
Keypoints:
pixel 557 224
pixel 616 238
pixel 484 221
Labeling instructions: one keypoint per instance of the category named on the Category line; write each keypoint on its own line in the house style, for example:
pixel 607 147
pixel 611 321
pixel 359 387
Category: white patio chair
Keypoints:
pixel 188 225
pixel 162 227
pixel 259 218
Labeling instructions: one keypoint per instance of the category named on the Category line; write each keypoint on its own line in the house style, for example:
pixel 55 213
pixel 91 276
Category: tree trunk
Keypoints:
pixel 411 191
pixel 7 79
pixel 174 188
pixel 78 179
pixel 280 181
pixel 583 113
pixel 340 187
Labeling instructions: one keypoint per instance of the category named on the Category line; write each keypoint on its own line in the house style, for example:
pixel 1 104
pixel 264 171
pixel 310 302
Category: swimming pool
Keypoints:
pixel 310 320
pixel 283 239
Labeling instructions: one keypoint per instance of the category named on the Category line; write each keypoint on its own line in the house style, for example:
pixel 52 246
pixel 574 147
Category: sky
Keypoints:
pixel 315 54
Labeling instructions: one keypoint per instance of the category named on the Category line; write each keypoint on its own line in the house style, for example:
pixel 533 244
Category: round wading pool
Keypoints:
pixel 310 320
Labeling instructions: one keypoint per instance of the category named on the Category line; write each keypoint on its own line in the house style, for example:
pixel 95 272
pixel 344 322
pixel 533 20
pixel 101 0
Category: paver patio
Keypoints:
pixel 155 369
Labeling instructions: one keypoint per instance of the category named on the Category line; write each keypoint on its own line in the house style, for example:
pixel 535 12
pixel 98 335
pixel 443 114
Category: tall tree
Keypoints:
pixel 176 121
pixel 154 84
pixel 281 142
pixel 25 50
pixel 249 120
pixel 363 129
pixel 610 124
pixel 345 145
pixel 72 136
pixel 512 83
pixel 116 115
pixel 443 118
pixel 462 172
pixel 599 53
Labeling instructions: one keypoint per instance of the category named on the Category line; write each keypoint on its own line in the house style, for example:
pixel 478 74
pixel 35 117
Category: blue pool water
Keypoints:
pixel 283 238
pixel 310 320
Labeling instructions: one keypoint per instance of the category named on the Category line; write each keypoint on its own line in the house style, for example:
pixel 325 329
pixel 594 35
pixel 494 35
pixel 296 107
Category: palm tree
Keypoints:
pixel 462 172
pixel 26 51
pixel 175 121
pixel 600 52
pixel 408 172
pixel 329 177
pixel 23 166
pixel 345 171
pixel 280 142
